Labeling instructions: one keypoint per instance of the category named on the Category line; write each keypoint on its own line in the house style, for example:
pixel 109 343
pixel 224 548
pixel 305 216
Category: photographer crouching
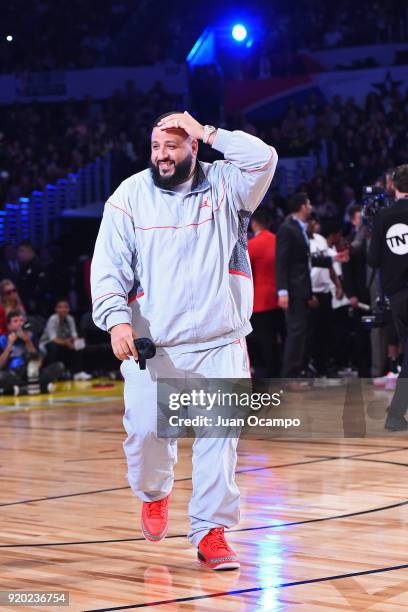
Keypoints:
pixel 388 251
pixel 21 370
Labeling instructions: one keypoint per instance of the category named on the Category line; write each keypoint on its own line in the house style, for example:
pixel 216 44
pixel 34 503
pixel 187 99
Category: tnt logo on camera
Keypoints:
pixel 397 239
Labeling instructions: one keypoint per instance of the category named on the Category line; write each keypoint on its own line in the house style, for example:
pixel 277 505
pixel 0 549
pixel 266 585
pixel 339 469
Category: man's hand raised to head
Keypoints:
pixel 183 121
pixel 123 341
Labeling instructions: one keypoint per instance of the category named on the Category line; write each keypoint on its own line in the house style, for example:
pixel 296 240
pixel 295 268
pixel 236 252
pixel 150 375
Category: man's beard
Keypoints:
pixel 181 173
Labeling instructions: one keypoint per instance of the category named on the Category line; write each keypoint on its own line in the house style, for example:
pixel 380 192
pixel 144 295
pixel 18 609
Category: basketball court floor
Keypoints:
pixel 323 521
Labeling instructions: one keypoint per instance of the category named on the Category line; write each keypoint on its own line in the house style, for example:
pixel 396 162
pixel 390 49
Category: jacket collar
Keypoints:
pixel 200 182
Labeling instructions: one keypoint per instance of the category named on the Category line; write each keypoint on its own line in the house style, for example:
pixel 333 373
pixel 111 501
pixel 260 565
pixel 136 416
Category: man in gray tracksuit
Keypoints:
pixel 171 264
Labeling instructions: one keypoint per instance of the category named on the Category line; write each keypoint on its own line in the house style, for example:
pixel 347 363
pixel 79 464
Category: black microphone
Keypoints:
pixel 146 349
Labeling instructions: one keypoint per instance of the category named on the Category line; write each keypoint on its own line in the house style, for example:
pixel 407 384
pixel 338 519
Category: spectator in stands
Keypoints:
pixel 17 348
pixel 32 281
pixel 266 318
pixel 9 297
pixel 9 266
pixel 59 341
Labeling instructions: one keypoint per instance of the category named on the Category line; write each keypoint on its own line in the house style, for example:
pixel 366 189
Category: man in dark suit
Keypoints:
pixel 293 280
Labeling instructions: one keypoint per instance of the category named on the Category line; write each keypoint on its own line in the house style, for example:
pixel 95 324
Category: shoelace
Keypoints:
pixel 216 539
pixel 157 508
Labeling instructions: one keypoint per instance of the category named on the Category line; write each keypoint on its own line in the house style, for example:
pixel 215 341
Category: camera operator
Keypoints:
pixel 16 343
pixel 389 252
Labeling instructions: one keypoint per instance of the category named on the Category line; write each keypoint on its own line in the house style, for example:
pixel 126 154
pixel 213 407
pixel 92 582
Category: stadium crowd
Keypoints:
pixel 127 32
pixel 40 143
pixel 353 144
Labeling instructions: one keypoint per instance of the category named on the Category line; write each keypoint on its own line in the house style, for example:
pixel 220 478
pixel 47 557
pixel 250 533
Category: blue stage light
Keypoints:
pixel 239 32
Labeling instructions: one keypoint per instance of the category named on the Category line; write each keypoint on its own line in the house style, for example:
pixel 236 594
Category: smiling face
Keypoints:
pixel 173 157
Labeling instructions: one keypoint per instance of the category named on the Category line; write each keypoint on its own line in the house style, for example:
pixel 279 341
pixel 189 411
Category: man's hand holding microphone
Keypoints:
pixel 123 338
pixel 126 344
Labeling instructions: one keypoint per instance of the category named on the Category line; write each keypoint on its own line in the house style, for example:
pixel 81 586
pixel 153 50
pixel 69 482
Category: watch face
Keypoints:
pixel 208 130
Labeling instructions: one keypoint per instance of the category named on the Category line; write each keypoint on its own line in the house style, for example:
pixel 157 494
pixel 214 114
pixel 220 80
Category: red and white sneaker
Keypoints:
pixel 155 519
pixel 214 552
pixel 388 381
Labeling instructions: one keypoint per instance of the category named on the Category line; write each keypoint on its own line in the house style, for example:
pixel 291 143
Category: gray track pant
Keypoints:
pixel 215 497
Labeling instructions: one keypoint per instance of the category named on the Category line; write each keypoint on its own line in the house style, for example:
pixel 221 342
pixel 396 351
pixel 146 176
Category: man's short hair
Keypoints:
pixel 297 201
pixel 263 216
pixel 400 178
pixel 12 314
pixel 156 121
pixel 355 208
pixel 61 299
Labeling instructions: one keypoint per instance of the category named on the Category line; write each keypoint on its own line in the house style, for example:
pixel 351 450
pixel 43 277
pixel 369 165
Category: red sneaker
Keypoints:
pixel 214 552
pixel 155 519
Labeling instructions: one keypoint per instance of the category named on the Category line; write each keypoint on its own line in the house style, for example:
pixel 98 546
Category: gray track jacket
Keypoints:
pixel 176 266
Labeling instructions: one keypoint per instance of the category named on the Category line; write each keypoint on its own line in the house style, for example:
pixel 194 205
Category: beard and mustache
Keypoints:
pixel 182 171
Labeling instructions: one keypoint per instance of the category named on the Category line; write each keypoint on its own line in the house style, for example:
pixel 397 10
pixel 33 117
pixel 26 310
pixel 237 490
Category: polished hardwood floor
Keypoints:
pixel 323 525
